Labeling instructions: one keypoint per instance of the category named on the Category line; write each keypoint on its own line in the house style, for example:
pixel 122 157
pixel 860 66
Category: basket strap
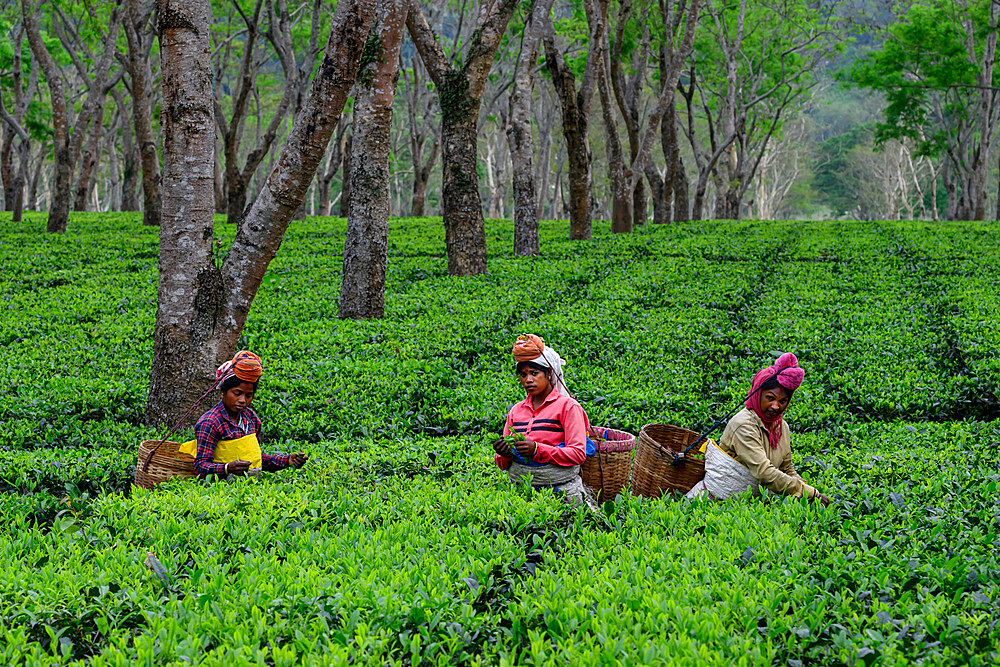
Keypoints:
pixel 720 422
pixel 149 457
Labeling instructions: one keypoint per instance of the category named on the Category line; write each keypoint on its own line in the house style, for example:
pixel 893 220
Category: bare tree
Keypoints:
pixel 779 169
pixel 766 56
pixel 237 178
pixel 366 247
pixel 420 101
pixel 67 145
pixel 335 157
pixel 202 307
pixel 459 95
pixel 624 176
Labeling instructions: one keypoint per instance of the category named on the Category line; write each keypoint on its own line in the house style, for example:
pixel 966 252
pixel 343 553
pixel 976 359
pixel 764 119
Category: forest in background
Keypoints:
pixel 860 110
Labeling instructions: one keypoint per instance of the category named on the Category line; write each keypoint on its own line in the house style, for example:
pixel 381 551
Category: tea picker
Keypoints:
pixel 753 453
pixel 227 436
pixel 553 424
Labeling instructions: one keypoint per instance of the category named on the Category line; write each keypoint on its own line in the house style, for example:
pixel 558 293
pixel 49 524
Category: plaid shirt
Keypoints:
pixel 217 424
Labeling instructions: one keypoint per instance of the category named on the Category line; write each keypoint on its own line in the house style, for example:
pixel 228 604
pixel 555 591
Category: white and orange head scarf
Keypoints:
pixel 529 347
pixel 245 365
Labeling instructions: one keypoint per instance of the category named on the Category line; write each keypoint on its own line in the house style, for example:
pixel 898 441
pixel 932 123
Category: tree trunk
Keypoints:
pixel 62 178
pixel 621 214
pixel 419 198
pixel 202 308
pixel 366 247
pixel 190 286
pixel 130 170
pixel 543 167
pixel 89 158
pixel 114 178
pixel 575 110
pixel 460 94
pixel 332 167
pixel 640 205
pixel 519 136
pixel 345 177
pixel 658 193
pixel 32 203
pixel 139 46
pixel 464 225
pixel 6 166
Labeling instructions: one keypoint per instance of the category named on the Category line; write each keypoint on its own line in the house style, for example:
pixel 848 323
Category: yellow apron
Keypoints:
pixel 246 448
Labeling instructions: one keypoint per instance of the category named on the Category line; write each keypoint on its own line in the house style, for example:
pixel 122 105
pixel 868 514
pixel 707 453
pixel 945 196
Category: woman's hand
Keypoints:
pixel 237 467
pixel 298 459
pixel 526 448
pixel 820 498
pixel 501 448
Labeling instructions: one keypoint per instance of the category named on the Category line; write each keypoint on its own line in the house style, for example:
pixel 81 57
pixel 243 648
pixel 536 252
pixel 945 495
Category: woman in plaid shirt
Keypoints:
pixel 227 436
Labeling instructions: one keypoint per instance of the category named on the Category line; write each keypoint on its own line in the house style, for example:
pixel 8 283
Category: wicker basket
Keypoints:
pixel 653 470
pixel 607 471
pixel 165 463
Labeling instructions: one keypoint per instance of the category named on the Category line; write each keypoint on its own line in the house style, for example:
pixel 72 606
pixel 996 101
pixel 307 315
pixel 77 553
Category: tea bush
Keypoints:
pixel 400 543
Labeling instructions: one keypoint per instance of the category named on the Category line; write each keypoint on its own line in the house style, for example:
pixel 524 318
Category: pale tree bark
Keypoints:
pixel 460 92
pixel 519 134
pixel 202 307
pixel 366 247
pixel 575 109
pixel 114 181
pixel 779 170
pixel 545 119
pixel 32 203
pixel 130 157
pixel 496 164
pixel 14 181
pixel 335 157
pixel 625 176
pixel 420 102
pixel 140 35
pixel 345 177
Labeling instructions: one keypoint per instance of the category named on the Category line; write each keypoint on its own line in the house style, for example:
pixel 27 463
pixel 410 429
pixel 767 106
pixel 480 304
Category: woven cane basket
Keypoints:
pixel 607 471
pixel 653 470
pixel 166 462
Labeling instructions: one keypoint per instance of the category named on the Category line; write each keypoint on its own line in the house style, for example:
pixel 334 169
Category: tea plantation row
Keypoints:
pixel 400 543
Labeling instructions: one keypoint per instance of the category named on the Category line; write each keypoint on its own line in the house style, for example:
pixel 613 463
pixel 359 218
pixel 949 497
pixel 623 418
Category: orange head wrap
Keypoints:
pixel 246 365
pixel 527 347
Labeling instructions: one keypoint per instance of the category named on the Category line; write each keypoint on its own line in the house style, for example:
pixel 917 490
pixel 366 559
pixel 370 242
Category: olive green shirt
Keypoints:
pixel 745 439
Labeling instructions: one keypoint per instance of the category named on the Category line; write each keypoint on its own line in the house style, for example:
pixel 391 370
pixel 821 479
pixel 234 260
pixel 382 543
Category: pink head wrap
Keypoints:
pixel 790 376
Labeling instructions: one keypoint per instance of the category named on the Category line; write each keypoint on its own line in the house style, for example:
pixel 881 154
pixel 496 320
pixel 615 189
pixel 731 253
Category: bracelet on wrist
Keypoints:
pixel 225 469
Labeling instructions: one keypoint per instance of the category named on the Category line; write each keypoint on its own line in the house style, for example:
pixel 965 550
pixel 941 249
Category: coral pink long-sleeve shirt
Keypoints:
pixel 559 427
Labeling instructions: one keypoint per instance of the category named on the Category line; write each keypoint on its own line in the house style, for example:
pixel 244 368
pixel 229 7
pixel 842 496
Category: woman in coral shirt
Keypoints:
pixel 553 424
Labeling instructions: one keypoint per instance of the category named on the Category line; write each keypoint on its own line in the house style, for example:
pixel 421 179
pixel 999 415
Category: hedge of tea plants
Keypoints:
pixel 400 543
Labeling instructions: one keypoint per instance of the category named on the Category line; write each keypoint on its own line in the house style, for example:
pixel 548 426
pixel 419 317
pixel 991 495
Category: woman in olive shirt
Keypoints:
pixel 755 450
